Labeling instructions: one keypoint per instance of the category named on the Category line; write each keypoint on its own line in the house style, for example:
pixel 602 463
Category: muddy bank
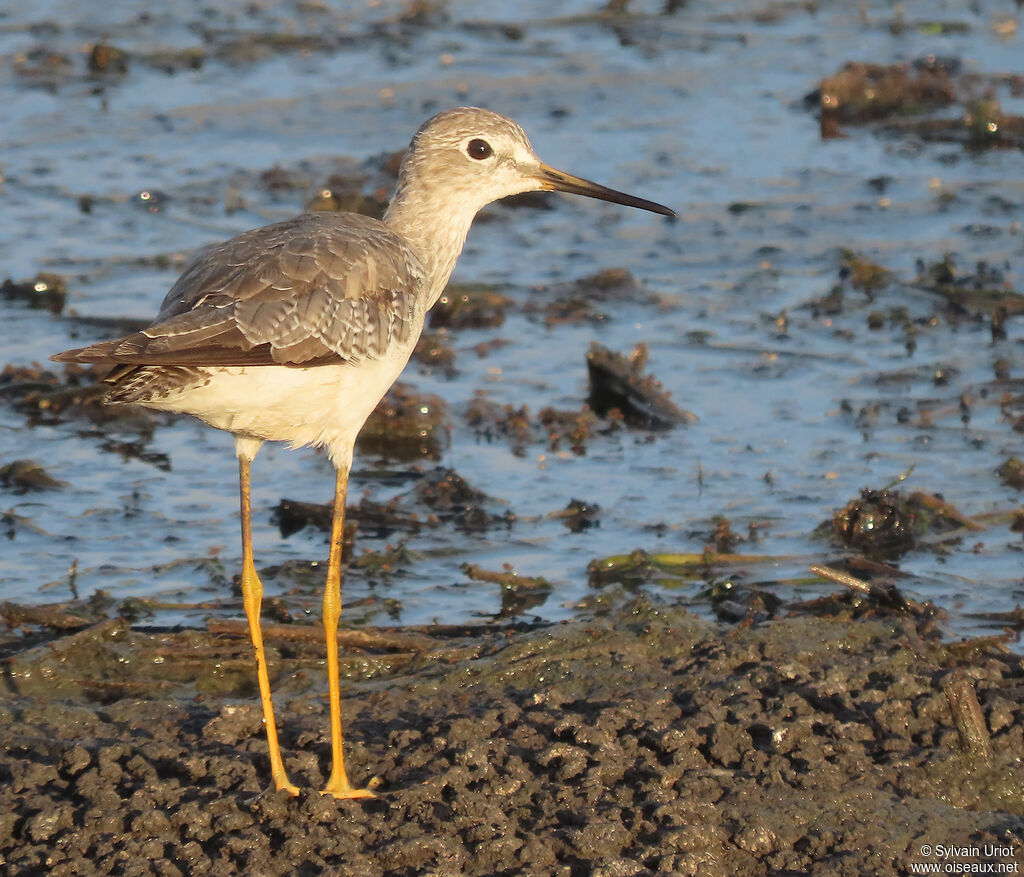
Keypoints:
pixel 646 742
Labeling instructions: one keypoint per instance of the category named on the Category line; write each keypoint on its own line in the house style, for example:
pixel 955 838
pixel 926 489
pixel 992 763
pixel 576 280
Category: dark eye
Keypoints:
pixel 479 149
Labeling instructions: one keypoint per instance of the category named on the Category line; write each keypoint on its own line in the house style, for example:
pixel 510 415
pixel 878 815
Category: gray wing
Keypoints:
pixel 320 288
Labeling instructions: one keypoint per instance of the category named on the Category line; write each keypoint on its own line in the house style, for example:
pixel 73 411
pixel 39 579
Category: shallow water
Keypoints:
pixel 700 109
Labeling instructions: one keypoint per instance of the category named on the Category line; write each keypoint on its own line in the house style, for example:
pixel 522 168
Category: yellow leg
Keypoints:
pixel 338 784
pixel 252 598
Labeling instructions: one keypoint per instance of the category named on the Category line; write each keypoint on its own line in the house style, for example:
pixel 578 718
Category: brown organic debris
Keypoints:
pixel 439 496
pixel 292 515
pixel 508 578
pixel 433 351
pixel 107 59
pixel 985 290
pixel 469 307
pixel 591 299
pixel 913 99
pixel 44 67
pixel 620 388
pixel 884 593
pixel 519 593
pixel 1011 472
pixel 557 428
pixel 451 498
pixel 353 193
pixel 861 93
pixel 578 515
pixel 886 524
pixel 967 714
pixel 723 538
pixel 862 273
pixel 45 291
pixel 405 426
pixel 490 420
pixel 572 428
pixel 56 616
pixel 46 397
pixel 24 476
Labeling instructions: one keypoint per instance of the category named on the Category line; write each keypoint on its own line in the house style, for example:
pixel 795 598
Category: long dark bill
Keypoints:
pixel 555 180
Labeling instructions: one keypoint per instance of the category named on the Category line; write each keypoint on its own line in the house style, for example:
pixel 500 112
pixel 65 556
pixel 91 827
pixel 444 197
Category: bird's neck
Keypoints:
pixel 436 227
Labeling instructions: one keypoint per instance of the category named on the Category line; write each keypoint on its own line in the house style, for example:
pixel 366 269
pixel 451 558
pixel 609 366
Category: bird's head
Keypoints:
pixel 477 156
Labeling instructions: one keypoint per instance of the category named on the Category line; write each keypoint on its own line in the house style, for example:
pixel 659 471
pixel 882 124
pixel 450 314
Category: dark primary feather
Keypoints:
pixel 320 288
pixel 146 383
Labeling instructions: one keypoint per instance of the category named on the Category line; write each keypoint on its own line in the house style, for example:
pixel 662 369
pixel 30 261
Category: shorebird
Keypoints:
pixel 294 332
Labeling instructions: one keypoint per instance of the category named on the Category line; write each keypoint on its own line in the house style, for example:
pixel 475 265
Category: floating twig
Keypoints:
pixel 842 578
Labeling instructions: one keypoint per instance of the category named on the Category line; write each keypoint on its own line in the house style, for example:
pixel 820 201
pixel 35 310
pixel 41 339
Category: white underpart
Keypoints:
pixel 325 406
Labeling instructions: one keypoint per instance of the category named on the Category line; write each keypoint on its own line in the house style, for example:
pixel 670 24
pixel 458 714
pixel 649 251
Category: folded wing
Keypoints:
pixel 321 288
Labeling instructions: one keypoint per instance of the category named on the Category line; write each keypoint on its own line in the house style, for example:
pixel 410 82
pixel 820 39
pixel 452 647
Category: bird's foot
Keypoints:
pixel 285 786
pixel 341 790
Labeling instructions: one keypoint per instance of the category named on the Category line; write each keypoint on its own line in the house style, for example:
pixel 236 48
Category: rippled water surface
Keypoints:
pixel 700 107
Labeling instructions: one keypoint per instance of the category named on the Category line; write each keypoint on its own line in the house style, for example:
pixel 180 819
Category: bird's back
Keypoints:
pixel 319 289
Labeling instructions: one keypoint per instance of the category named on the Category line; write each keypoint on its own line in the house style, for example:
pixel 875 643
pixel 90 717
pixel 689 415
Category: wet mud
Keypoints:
pixel 719 520
pixel 647 741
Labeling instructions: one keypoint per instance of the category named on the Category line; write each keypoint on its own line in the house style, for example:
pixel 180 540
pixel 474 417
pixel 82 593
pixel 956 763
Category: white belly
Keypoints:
pixel 325 405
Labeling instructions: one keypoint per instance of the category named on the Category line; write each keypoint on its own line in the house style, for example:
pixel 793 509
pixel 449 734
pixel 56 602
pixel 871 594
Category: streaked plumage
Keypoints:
pixel 293 332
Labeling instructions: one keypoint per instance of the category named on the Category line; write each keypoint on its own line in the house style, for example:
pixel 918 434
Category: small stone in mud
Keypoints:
pixel 23 476
pixel 618 384
pixel 45 291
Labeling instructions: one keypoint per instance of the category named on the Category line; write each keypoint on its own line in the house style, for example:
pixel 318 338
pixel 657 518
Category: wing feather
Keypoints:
pixel 320 288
